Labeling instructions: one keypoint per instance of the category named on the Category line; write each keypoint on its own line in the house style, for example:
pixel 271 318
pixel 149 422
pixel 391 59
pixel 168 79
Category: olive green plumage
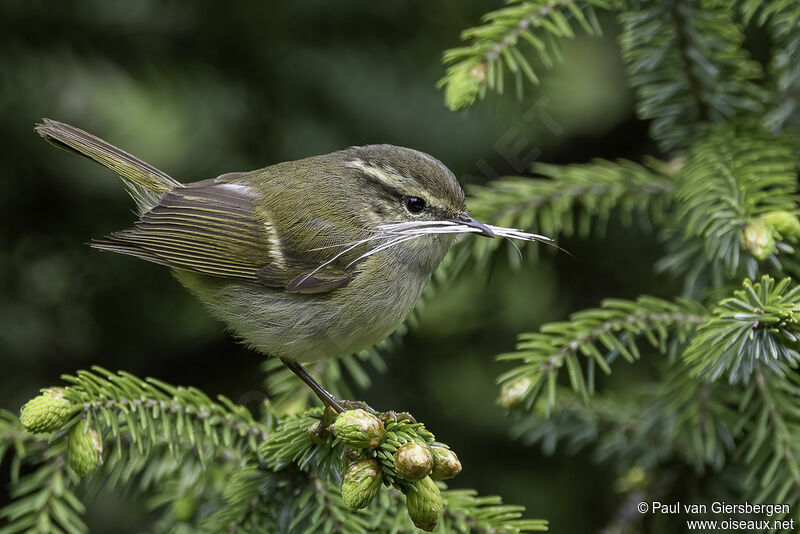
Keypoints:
pixel 304 260
pixel 281 253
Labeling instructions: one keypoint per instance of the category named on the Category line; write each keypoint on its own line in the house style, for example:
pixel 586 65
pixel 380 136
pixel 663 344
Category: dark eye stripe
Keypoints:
pixel 415 204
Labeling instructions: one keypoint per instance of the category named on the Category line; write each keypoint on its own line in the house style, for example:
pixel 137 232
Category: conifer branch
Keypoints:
pixel 781 18
pixel 755 330
pixel 573 199
pixel 42 499
pixel 686 61
pixel 734 176
pixel 770 453
pixel 248 475
pixel 495 46
pixel 600 336
pixel 152 412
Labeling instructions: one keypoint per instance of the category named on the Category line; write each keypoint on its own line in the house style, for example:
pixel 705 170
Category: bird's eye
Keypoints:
pixel 415 204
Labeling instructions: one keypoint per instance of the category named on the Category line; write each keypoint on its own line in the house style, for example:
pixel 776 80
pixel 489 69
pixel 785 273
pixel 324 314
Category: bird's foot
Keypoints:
pixel 330 414
pixel 391 415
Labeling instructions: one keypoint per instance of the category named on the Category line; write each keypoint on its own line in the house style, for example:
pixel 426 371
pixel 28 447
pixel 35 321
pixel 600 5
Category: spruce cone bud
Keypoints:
pixel 463 85
pixel 413 461
pixel 184 508
pixel 512 393
pixel 758 239
pixel 445 463
pixel 85 449
pixel 361 484
pixel 424 503
pixel 45 413
pixel 359 429
pixel 785 223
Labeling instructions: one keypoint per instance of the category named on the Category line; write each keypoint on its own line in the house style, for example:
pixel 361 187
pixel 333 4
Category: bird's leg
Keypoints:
pixel 330 401
pixel 326 398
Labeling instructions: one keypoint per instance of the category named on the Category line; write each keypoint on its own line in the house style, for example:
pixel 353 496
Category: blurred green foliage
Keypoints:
pixel 201 88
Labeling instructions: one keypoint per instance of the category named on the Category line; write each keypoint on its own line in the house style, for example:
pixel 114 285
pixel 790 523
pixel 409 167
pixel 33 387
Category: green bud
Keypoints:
pixel 359 429
pixel 413 461
pixel 463 85
pixel 445 463
pixel 675 165
pixel 45 413
pixel 184 508
pixel 512 393
pixel 758 239
pixel 785 223
pixel 84 448
pixel 636 476
pixel 424 503
pixel 361 484
pixel 634 479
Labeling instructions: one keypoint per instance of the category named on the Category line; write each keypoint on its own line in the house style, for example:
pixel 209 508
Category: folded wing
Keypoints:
pixel 211 228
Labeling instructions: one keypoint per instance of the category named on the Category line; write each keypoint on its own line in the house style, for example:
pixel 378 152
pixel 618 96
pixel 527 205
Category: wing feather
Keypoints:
pixel 211 228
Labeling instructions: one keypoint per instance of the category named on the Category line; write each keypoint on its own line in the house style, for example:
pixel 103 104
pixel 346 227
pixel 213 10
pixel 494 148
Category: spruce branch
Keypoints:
pixel 41 500
pixel 685 60
pixel 466 511
pixel 770 428
pixel 599 335
pixel 495 46
pixel 734 176
pixel 210 465
pixel 573 199
pixel 757 329
pixel 681 417
pixel 781 18
pixel 150 412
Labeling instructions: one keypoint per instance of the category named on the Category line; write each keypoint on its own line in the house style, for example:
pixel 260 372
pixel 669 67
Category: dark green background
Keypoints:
pixel 201 88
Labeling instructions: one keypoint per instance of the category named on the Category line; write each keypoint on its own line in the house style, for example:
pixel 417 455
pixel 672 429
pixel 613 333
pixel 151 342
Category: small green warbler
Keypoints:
pixel 304 260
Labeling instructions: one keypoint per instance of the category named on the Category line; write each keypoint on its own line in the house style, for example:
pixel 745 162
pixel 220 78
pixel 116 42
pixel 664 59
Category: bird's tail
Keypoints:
pixel 145 183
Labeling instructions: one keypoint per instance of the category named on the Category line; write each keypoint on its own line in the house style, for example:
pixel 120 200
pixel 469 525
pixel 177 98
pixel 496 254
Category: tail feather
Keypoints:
pixel 144 183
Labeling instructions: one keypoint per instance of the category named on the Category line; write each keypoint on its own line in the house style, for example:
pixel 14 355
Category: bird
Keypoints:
pixel 304 260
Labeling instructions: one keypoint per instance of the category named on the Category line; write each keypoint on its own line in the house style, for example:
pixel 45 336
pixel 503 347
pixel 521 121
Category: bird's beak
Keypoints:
pixel 466 220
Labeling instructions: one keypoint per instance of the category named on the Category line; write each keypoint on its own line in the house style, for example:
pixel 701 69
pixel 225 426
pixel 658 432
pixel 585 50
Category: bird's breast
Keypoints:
pixel 314 327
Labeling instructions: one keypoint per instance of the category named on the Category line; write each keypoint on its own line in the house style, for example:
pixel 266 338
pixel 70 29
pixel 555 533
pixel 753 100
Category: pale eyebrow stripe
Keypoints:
pixel 394 180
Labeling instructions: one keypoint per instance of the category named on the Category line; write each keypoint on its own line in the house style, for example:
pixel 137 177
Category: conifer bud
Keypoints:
pixel 424 504
pixel 758 239
pixel 413 461
pixel 84 448
pixel 361 484
pixel 445 463
pixel 463 85
pixel 45 413
pixel 785 223
pixel 512 393
pixel 184 508
pixel 359 429
pixel 675 165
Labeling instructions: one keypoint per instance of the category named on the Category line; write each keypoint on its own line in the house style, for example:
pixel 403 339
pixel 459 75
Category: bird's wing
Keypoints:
pixel 211 228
